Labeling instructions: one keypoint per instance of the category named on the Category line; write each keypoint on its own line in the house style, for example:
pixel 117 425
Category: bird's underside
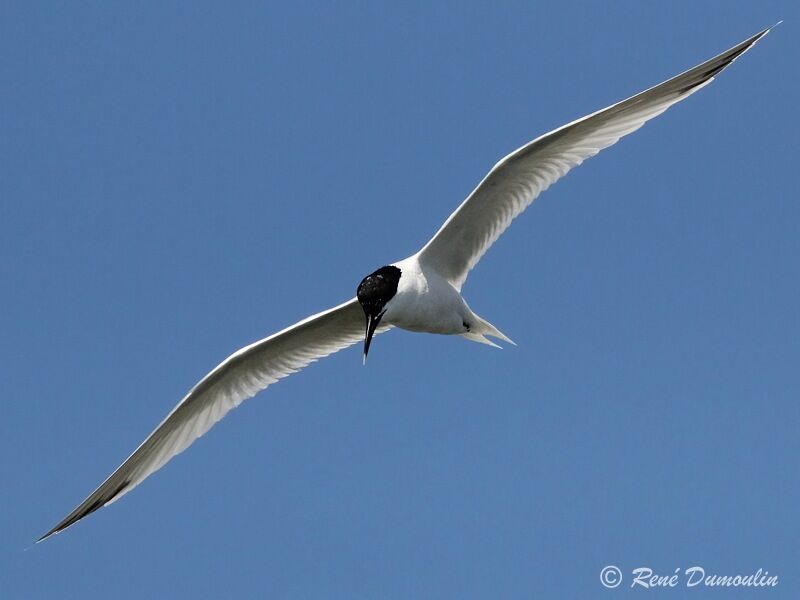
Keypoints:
pixel 510 187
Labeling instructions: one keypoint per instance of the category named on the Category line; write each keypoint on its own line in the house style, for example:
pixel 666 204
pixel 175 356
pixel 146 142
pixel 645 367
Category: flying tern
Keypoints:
pixel 420 293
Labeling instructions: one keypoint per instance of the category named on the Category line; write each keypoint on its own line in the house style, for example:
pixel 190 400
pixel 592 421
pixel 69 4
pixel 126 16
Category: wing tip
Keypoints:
pixel 749 43
pixel 743 47
pixel 85 509
pixel 716 65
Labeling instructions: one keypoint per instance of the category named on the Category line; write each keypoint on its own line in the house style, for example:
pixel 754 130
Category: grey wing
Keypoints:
pixel 516 181
pixel 238 377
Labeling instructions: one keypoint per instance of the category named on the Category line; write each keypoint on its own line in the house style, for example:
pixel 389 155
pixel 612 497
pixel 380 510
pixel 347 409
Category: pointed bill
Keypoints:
pixel 372 323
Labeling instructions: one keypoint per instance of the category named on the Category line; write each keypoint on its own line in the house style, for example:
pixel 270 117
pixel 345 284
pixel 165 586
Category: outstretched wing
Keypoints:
pixel 238 377
pixel 516 181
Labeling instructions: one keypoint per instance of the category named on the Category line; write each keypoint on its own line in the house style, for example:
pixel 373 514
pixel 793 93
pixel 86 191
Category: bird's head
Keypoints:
pixel 374 293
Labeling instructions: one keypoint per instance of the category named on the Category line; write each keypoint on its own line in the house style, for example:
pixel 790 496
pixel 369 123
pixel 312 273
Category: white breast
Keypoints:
pixel 426 302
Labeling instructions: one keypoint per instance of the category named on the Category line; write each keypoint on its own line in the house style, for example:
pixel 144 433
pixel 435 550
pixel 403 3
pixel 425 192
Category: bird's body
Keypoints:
pixel 421 293
pixel 426 302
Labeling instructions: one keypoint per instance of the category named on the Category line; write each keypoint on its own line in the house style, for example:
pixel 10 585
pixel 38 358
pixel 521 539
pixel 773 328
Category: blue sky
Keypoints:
pixel 178 180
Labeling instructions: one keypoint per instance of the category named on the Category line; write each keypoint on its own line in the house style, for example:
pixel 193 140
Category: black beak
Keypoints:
pixel 372 323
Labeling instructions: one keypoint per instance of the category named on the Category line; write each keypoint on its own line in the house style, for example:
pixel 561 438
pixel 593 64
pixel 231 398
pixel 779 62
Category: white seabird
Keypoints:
pixel 420 293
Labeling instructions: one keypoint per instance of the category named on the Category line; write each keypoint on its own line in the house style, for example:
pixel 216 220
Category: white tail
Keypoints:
pixel 481 329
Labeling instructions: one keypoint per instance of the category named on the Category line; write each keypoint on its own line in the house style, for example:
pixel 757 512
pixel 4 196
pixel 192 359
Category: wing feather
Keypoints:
pixel 518 179
pixel 238 377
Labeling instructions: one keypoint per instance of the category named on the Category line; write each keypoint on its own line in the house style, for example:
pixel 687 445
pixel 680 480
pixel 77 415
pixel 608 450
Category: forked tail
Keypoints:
pixel 481 329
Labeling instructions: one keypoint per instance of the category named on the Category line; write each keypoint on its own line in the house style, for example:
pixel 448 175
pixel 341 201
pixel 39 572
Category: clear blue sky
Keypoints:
pixel 178 180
